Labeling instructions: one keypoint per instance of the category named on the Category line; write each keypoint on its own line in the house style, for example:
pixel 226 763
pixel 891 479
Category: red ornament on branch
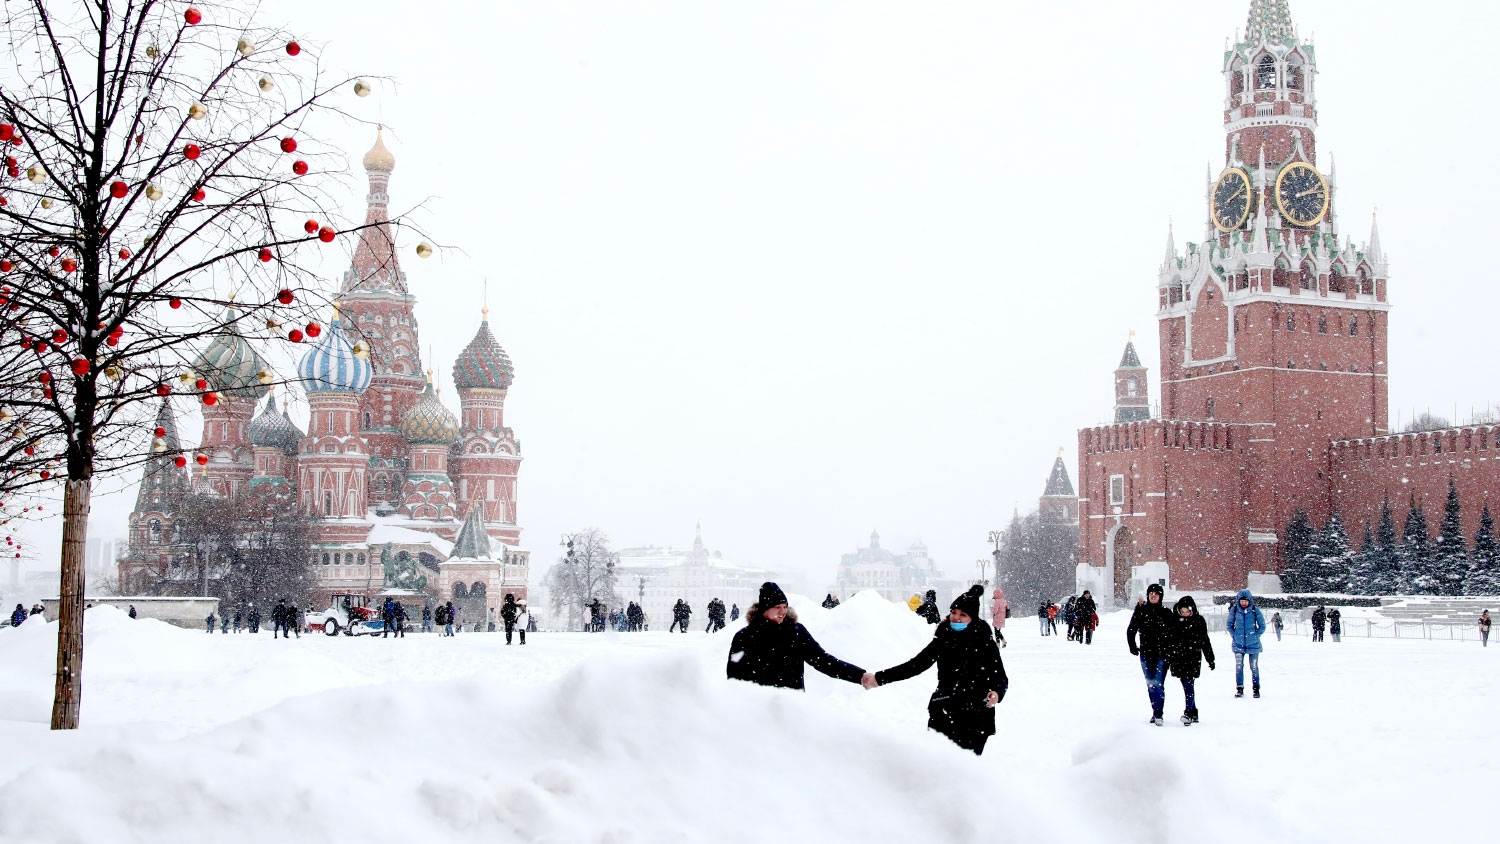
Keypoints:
pixel 192 16
pixel 284 297
pixel 54 251
pixel 124 254
pixel 311 226
pixel 200 384
pixel 6 266
pixel 69 265
pixel 299 167
pixel 326 234
pixel 59 337
pixel 174 304
pixel 46 474
pixel 202 459
pixel 80 366
pixel 313 329
pixel 163 389
pixel 7 131
pixel 288 144
pixel 160 431
pixel 180 461
pixel 294 335
pixel 265 254
pixel 293 48
pixel 199 194
pixel 210 399
pixel 45 377
pixel 192 152
pixel 118 190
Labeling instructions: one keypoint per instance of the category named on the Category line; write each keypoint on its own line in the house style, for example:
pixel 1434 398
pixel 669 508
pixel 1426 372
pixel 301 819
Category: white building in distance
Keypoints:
pixel 895 576
pixel 656 577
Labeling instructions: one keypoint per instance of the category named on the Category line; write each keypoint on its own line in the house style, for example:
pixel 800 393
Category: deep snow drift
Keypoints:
pixel 639 738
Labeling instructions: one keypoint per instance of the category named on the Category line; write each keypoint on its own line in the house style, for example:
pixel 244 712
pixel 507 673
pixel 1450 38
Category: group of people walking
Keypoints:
pixel 1325 618
pixel 1079 615
pixel 19 615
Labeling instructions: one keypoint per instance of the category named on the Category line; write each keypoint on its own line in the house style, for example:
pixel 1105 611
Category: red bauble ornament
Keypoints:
pixel 69 265
pixel 210 399
pixel 311 226
pixel 7 131
pixel 326 234
pixel 16 141
pixel 313 329
pixel 299 167
pixel 118 190
pixel 161 432
pixel 202 459
pixel 45 377
pixel 80 366
pixel 46 474
pixel 284 297
pixel 293 48
pixel 124 254
pixel 47 392
pixel 192 151
pixel 294 335
pixel 6 266
pixel 112 340
pixel 288 144
pixel 54 251
pixel 199 194
pixel 180 461
pixel 200 384
pixel 25 342
pixel 41 346
pixel 265 254
pixel 174 303
pixel 4 202
pixel 59 337
pixel 163 389
pixel 192 16
pixel 30 450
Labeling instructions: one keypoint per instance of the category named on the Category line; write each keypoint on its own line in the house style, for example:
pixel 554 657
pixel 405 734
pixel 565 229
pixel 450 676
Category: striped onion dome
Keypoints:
pixel 332 367
pixel 272 428
pixel 483 365
pixel 429 423
pixel 231 366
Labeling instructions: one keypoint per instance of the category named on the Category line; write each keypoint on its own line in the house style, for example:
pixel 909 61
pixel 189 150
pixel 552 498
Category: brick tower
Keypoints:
pixel 332 462
pixel 378 310
pixel 487 457
pixel 1132 397
pixel 430 430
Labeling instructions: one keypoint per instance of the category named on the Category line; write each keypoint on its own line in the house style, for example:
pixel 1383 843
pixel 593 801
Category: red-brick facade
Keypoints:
pixel 1274 383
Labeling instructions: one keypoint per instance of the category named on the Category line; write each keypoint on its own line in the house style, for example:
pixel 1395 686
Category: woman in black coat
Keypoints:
pixel 971 677
pixel 1190 642
pixel 773 646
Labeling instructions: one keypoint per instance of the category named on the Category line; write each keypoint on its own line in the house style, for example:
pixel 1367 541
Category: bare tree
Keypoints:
pixel 169 189
pixel 586 570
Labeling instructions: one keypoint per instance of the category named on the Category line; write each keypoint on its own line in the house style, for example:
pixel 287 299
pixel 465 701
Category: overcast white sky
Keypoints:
pixel 801 269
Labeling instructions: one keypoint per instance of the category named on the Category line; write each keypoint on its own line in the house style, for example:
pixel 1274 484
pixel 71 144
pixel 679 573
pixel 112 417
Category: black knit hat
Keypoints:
pixel 770 595
pixel 968 601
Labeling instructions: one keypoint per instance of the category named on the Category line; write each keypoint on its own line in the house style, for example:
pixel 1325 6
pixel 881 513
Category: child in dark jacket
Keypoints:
pixel 1191 642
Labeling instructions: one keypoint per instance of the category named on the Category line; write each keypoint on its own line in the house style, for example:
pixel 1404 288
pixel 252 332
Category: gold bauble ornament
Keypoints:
pixel 272 324
pixel 361 351
pixel 185 377
pixel 46 203
pixel 246 46
pixel 35 174
pixel 113 372
pixel 197 111
pixel 158 446
pixel 153 192
pixel 266 84
pixel 361 89
pixel 152 52
pixel 264 377
pixel 424 250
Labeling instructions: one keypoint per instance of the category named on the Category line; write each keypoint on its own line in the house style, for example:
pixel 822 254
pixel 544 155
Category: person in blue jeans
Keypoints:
pixel 1151 636
pixel 1245 626
pixel 1190 646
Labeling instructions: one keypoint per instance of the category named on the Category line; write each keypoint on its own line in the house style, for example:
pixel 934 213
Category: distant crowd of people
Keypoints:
pixel 1079 615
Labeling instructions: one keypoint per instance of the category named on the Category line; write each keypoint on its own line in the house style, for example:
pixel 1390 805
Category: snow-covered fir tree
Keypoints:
pixel 1450 553
pixel 1484 559
pixel 1296 541
pixel 1327 562
pixel 1361 565
pixel 1376 571
pixel 1414 555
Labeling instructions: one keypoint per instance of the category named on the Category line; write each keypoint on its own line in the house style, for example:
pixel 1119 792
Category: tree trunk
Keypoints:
pixel 68 695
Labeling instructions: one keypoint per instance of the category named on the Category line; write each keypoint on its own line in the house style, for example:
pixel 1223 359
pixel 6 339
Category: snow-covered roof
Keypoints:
pixel 389 534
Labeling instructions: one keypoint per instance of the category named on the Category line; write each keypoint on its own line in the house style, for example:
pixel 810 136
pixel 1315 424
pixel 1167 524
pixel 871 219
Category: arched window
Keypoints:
pixel 367 419
pixel 1210 408
pixel 153 529
pixel 328 504
pixel 1281 276
pixel 460 591
pixel 1366 285
pixel 1353 326
pixel 325 559
pixel 1237 79
pixel 1265 73
pixel 1294 72
pixel 1132 386
pixel 1308 278
pixel 1291 322
pixel 1336 281
pixel 361 560
pixel 1323 324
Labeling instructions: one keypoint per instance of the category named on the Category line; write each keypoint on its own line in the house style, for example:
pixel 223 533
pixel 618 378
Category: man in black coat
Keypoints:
pixel 1154 624
pixel 772 647
pixel 1190 646
pixel 929 609
pixel 971 676
pixel 1084 611
pixel 1319 618
pixel 508 613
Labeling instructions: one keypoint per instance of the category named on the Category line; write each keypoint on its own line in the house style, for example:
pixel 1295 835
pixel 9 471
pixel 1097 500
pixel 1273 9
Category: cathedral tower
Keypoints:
pixel 233 371
pixel 430 429
pixel 378 311
pixel 487 457
pixel 1132 398
pixel 332 462
pixel 1059 503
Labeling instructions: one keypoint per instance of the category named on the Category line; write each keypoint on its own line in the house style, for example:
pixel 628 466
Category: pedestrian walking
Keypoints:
pixel 401 621
pixel 928 609
pixel 523 620
pixel 210 621
pixel 772 647
pixel 1150 636
pixel 1067 616
pixel 449 617
pixel 278 620
pixel 387 618
pixel 254 619
pixel 18 617
pixel 1484 628
pixel 1277 624
pixel 999 611
pixel 132 609
pixel 224 624
pixel 1190 648
pixel 1052 611
pixel 1319 618
pixel 509 612
pixel 1335 623
pixel 734 612
pixel 1246 623
pixel 426 619
pixel 236 621
pixel 1087 614
pixel 971 675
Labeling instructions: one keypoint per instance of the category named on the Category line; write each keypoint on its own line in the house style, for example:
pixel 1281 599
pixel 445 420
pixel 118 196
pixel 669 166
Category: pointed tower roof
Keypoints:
pixel 167 422
pixel 1270 22
pixel 272 429
pixel 1375 253
pixel 1058 483
pixel 483 364
pixel 473 541
pixel 375 267
pixel 1170 260
pixel 162 484
pixel 1130 360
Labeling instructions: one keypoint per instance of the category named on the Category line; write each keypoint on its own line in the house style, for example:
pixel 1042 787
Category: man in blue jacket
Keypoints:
pixel 1245 626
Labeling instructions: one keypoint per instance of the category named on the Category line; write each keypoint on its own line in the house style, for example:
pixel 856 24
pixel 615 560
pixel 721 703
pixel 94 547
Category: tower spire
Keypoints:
pixel 1377 256
pixel 1171 256
pixel 1269 22
pixel 375 266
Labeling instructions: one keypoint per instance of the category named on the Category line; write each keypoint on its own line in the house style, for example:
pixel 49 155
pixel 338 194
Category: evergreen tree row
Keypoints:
pixel 1411 563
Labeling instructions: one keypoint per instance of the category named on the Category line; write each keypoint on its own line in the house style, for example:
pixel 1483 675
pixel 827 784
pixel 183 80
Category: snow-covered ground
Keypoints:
pixel 638 738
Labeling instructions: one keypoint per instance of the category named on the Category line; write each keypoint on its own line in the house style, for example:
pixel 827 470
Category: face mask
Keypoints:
pixel 958 627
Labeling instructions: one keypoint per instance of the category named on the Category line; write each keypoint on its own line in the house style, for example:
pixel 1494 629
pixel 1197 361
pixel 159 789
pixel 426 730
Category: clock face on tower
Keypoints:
pixel 1232 199
pixel 1301 194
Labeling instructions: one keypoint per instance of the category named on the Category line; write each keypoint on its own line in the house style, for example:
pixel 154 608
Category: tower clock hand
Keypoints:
pixel 1309 192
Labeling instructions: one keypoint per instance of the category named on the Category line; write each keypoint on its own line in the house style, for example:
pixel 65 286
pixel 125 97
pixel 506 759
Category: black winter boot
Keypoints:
pixel 1239 691
pixel 1255 691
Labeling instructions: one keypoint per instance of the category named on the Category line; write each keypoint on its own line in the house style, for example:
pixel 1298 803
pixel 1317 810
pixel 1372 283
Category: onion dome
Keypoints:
pixel 483 364
pixel 332 366
pixel 231 366
pixel 429 423
pixel 379 158
pixel 272 428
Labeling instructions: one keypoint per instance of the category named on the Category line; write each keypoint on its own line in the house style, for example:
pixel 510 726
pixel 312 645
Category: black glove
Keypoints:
pixel 1210 665
pixel 1135 651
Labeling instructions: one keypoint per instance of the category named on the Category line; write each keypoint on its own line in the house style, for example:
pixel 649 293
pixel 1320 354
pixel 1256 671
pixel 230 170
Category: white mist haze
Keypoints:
pixel 803 269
